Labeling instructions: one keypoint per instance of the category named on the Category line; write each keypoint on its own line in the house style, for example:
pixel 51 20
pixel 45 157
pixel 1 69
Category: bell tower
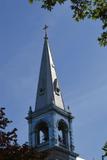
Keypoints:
pixel 50 124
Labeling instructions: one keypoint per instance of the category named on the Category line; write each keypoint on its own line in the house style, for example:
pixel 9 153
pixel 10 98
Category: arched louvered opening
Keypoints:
pixel 63 133
pixel 42 133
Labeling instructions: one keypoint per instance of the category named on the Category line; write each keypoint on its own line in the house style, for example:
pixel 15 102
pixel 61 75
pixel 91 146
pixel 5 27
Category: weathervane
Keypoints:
pixel 45 29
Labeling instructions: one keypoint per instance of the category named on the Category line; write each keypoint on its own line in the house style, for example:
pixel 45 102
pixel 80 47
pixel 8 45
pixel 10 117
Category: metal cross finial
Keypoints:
pixel 45 29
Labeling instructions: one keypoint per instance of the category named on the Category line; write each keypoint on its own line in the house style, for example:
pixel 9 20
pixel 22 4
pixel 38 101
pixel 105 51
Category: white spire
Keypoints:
pixel 48 91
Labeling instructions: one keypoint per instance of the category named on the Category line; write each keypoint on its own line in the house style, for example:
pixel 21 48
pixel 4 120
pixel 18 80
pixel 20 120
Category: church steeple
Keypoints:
pixel 50 125
pixel 48 91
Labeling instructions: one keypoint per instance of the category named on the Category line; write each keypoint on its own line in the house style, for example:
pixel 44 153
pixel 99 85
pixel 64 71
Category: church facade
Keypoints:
pixel 50 124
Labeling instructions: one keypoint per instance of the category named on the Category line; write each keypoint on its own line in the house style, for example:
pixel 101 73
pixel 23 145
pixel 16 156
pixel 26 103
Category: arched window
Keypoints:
pixel 62 133
pixel 42 89
pixel 42 133
pixel 56 87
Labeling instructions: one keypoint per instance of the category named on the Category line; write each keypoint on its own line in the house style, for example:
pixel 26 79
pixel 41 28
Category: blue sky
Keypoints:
pixel 81 65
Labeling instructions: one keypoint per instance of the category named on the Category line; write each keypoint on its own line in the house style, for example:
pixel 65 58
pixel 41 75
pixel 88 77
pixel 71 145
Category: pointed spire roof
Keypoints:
pixel 48 91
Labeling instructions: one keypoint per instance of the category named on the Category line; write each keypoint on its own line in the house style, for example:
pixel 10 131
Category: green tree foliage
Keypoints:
pixel 105 149
pixel 6 138
pixel 9 149
pixel 91 9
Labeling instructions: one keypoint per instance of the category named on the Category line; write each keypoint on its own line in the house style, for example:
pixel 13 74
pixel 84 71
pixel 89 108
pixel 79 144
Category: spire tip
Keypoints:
pixel 45 29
